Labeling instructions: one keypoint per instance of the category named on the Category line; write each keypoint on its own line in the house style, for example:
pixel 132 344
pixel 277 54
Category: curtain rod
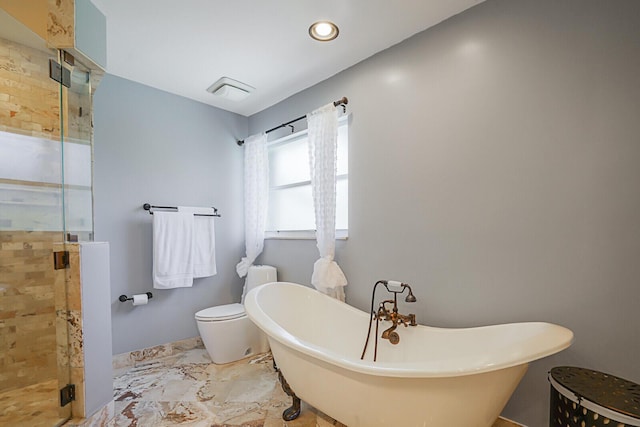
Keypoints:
pixel 343 101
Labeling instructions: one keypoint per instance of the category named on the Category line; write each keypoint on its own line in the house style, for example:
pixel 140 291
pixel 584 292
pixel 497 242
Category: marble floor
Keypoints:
pixel 186 389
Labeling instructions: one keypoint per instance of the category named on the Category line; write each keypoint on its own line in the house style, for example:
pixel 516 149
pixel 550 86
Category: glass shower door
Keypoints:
pixel 77 155
pixel 34 355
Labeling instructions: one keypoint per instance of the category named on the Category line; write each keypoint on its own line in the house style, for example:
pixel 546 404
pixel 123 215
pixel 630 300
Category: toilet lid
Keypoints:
pixel 221 312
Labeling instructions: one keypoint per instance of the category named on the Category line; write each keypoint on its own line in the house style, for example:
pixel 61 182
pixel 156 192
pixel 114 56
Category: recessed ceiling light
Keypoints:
pixel 323 31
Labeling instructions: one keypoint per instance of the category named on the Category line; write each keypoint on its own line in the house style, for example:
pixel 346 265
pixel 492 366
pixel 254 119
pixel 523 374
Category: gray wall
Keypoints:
pixel 151 146
pixel 495 166
pixel 96 325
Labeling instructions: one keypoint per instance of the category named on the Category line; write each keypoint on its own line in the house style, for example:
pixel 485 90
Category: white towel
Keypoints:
pixel 204 241
pixel 172 250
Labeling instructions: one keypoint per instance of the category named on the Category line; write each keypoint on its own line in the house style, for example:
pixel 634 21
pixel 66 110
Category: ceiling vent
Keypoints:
pixel 230 89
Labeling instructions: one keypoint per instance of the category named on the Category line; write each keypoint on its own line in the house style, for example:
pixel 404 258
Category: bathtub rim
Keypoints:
pixel 386 369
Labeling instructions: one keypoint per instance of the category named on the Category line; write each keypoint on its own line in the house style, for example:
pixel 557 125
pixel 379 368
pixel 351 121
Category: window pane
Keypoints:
pixel 77 163
pixel 27 158
pixel 27 207
pixel 78 210
pixel 342 204
pixel 291 209
pixel 289 162
pixel 343 150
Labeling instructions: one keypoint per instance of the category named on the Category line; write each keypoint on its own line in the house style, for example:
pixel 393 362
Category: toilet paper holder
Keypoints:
pixel 124 298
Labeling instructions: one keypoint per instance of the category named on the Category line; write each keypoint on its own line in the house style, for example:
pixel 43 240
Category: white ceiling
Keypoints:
pixel 182 47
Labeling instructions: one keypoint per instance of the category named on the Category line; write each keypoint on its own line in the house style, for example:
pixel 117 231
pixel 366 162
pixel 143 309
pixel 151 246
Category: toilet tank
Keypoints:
pixel 259 275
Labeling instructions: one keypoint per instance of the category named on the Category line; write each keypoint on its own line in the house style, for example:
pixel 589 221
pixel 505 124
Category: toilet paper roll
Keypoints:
pixel 140 299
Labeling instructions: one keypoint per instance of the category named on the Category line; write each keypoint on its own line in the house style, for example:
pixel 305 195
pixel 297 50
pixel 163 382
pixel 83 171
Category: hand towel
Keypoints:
pixel 172 250
pixel 204 241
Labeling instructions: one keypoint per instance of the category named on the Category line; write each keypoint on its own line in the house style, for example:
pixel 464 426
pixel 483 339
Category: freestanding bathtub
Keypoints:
pixel 434 377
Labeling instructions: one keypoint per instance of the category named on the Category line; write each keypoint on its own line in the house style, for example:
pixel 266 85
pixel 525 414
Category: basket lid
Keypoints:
pixel 611 392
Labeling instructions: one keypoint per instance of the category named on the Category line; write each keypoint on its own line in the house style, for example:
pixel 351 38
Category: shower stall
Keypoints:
pixel 45 201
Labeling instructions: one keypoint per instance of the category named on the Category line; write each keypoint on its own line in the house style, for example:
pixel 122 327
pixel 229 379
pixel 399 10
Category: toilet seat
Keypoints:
pixel 221 312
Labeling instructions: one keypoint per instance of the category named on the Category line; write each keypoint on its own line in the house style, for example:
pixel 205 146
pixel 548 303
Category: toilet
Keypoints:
pixel 227 332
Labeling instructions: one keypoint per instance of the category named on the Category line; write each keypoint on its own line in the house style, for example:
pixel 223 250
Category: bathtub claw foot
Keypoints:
pixel 293 411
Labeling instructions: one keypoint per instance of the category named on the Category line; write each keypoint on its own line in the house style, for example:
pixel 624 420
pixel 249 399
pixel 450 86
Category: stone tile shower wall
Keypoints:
pixel 29 104
pixel 27 308
pixel 29 100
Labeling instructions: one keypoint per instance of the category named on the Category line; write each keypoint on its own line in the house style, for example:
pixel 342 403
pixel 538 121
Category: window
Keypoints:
pixel 291 213
pixel 31 184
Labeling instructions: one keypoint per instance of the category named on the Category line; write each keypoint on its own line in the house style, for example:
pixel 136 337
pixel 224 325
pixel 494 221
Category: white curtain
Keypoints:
pixel 256 198
pixel 327 276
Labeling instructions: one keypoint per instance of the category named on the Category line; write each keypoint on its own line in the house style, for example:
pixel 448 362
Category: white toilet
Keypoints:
pixel 227 332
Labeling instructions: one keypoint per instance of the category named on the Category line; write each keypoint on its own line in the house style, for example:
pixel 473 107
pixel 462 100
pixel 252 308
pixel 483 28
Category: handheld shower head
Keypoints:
pixel 410 297
pixel 398 288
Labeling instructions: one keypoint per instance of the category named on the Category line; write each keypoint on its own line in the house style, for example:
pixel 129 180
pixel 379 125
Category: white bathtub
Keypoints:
pixel 433 377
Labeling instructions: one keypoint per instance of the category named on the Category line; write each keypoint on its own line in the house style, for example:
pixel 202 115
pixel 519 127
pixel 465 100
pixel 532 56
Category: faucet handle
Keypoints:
pixel 413 320
pixel 408 320
pixel 395 286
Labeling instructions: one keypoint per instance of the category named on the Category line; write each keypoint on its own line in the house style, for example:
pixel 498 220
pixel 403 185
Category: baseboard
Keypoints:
pixel 129 359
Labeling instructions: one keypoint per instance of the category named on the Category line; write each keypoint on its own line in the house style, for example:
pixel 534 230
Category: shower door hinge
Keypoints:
pixel 59 73
pixel 68 58
pixel 60 260
pixel 67 394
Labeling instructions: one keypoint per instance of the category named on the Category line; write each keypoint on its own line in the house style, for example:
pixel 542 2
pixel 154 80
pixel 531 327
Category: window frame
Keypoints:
pixel 341 234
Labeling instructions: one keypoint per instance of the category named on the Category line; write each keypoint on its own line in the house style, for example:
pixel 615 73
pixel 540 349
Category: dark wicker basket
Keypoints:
pixel 586 398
